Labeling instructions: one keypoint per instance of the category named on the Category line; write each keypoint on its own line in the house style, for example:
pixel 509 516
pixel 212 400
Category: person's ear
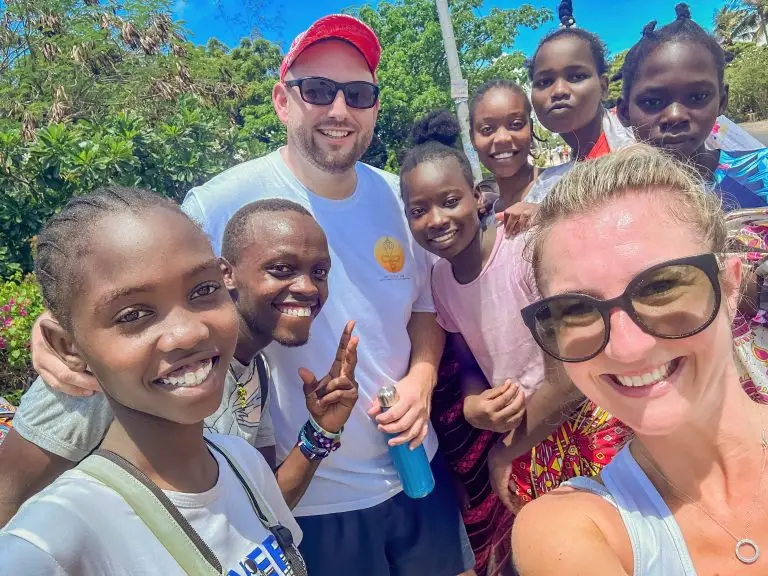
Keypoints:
pixel 62 343
pixel 230 276
pixel 280 101
pixel 622 111
pixel 604 86
pixel 478 196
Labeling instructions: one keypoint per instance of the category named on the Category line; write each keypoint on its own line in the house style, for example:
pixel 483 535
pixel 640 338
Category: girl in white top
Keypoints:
pixel 638 302
pixel 138 299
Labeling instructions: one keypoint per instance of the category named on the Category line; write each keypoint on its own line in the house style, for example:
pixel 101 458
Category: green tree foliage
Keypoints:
pixel 747 77
pixel 169 157
pixel 99 91
pixel 615 86
pixel 742 21
pixel 740 26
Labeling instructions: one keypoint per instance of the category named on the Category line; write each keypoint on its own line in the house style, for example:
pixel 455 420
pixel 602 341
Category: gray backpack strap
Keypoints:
pixel 262 369
pixel 154 508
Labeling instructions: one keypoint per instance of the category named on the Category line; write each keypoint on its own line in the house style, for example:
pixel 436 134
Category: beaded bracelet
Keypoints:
pixel 322 431
pixel 315 442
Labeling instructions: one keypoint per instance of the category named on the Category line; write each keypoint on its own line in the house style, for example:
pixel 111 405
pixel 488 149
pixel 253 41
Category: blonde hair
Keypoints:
pixel 637 168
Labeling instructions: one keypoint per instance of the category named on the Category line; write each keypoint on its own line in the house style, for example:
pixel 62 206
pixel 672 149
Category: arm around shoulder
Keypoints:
pixel 555 535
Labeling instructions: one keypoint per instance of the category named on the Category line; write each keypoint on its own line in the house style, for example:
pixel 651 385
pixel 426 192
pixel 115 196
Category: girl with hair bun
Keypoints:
pixel 479 283
pixel 674 90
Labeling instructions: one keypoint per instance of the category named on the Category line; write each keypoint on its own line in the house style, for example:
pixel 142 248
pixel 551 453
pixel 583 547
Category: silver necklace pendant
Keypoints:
pixel 747 543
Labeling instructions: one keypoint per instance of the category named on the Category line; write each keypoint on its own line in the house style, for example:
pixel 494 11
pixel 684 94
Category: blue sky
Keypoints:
pixel 617 22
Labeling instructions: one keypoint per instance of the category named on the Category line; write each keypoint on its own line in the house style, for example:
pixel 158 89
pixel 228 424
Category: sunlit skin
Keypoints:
pixel 611 246
pixel 152 305
pixel 308 124
pixel 675 100
pixel 501 134
pixel 442 210
pixel 567 91
pixel 143 311
pixel 697 426
pixel 282 272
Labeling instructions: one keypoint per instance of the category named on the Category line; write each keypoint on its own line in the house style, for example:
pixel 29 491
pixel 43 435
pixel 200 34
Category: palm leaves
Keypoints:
pixel 743 21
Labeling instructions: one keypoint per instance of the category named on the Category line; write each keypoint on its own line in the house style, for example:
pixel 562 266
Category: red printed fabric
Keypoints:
pixel 582 446
pixel 488 522
pixel 750 333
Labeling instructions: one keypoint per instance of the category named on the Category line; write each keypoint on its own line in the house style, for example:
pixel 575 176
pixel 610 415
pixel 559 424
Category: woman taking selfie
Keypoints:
pixel 638 303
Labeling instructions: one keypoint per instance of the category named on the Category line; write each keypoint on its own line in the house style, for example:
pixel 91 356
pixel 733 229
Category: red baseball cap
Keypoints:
pixel 340 26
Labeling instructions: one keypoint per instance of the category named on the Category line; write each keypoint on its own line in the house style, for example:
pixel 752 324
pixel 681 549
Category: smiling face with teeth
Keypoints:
pixel 442 207
pixel 280 276
pixel 152 318
pixel 653 385
pixel 334 137
pixel 501 131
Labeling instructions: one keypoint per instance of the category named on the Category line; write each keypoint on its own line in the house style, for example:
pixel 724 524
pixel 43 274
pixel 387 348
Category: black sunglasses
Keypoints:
pixel 322 91
pixel 672 300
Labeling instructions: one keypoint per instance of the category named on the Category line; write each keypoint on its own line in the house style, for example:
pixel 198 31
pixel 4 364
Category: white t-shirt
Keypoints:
pixel 79 526
pixel 379 276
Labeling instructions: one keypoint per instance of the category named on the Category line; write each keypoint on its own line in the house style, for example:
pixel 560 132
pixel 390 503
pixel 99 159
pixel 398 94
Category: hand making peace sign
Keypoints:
pixel 330 401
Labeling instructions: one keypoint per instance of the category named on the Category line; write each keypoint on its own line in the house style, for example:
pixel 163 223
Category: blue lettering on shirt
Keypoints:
pixel 267 559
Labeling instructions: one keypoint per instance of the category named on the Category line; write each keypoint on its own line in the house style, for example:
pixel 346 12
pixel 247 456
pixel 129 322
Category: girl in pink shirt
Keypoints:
pixel 480 283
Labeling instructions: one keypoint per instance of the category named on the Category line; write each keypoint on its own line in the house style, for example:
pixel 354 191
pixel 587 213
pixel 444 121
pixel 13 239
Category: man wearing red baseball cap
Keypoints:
pixel 354 515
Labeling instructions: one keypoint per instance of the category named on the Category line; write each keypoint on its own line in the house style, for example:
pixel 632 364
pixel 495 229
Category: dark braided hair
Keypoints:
pixel 683 29
pixel 596 46
pixel 434 137
pixel 480 93
pixel 65 239
pixel 238 233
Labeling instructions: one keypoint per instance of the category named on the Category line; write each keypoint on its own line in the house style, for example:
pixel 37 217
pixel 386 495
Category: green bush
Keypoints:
pixel 747 76
pixel 20 304
pixel 169 157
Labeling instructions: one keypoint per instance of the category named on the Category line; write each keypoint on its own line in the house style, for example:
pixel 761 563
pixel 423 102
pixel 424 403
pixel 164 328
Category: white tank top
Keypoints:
pixel 658 545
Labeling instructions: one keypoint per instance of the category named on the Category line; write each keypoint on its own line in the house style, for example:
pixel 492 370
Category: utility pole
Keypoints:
pixel 459 86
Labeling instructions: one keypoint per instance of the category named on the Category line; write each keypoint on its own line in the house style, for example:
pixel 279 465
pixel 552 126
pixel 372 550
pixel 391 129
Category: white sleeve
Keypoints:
pixel 194 209
pixel 22 557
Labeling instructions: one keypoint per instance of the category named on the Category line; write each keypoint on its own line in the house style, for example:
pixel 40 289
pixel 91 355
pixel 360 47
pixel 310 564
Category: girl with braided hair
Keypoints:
pixel 674 90
pixel 138 298
pixel 568 74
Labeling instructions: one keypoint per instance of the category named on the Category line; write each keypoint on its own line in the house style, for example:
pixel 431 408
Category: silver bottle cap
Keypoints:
pixel 387 396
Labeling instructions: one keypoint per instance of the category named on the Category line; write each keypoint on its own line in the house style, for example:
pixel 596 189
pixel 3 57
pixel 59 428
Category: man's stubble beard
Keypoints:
pixel 270 333
pixel 333 162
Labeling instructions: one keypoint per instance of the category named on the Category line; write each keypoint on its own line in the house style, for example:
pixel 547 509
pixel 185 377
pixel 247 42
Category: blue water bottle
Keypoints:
pixel 412 465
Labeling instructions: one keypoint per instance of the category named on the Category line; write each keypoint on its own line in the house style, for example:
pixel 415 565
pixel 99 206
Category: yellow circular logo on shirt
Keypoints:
pixel 390 254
